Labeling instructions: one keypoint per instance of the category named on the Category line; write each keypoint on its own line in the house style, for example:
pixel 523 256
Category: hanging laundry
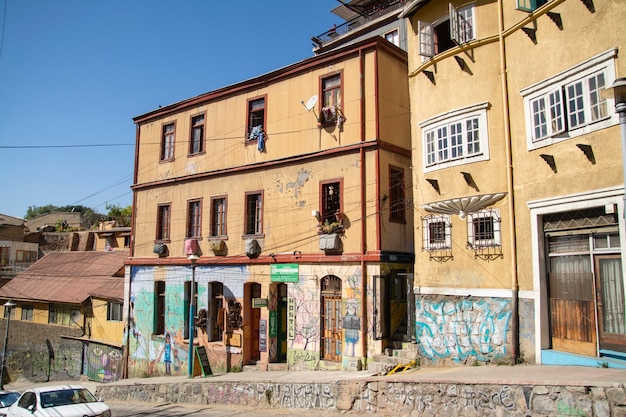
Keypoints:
pixel 261 142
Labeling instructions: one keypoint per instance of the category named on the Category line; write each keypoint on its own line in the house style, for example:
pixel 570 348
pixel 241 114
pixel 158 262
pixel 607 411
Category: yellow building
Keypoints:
pixel 69 302
pixel 111 237
pixel 518 181
pixel 293 188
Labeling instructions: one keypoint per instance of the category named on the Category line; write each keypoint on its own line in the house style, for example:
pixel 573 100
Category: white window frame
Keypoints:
pixel 557 123
pixel 462 21
pixel 438 154
pixel 496 241
pixel 462 27
pixel 427 243
pixel 393 36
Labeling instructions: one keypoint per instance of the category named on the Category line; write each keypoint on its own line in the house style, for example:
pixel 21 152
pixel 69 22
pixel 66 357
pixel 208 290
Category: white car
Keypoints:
pixel 58 401
pixel 7 397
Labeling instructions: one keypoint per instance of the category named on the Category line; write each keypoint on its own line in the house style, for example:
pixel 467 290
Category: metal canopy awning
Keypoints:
pixel 463 205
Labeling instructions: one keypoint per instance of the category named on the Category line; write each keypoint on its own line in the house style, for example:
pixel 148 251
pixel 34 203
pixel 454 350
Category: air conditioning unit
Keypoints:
pixel 252 248
pixel 216 245
pixel 160 249
pixel 330 242
pixel 191 247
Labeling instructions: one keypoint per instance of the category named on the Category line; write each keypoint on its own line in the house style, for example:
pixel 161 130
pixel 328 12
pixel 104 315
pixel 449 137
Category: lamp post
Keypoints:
pixel 192 301
pixel 7 308
pixel 619 92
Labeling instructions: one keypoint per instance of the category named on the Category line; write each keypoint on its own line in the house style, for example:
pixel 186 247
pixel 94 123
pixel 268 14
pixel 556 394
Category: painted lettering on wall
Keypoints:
pixel 461 328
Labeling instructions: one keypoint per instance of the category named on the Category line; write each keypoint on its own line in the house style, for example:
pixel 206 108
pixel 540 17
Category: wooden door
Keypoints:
pixel 331 331
pixel 572 304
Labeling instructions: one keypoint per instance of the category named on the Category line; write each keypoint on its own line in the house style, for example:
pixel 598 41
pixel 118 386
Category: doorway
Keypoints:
pixel 585 283
pixel 331 331
pixel 251 321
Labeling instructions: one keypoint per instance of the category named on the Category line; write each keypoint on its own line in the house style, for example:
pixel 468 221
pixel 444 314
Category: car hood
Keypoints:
pixel 73 410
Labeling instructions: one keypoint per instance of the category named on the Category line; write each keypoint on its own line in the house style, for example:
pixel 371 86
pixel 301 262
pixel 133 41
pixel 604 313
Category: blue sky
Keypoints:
pixel 73 74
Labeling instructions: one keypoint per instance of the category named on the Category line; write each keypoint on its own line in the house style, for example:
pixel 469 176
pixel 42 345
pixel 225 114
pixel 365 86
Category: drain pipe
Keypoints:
pixel 509 178
pixel 363 215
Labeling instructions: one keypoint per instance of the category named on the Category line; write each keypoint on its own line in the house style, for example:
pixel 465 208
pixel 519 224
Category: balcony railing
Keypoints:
pixel 13 266
pixel 374 13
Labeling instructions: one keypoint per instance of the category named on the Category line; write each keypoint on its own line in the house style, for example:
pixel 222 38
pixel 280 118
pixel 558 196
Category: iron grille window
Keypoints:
pixel 437 232
pixel 483 229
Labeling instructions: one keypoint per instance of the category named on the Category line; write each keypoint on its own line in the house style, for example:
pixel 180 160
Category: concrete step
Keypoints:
pixel 277 367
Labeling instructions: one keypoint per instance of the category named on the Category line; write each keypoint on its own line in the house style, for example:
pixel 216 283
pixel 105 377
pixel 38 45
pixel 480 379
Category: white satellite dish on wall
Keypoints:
pixel 75 316
pixel 310 103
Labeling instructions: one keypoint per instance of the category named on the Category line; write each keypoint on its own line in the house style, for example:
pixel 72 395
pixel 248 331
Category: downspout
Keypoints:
pixel 364 308
pixel 132 252
pixel 509 178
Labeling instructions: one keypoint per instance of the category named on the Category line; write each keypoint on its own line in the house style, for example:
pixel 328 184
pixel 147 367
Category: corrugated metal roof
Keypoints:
pixel 70 277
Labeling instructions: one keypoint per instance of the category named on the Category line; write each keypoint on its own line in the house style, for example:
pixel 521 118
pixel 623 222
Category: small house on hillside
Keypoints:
pixel 15 253
pixel 69 302
pixel 70 220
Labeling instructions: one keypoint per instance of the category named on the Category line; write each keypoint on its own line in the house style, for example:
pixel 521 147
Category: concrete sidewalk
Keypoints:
pixel 483 390
pixel 502 375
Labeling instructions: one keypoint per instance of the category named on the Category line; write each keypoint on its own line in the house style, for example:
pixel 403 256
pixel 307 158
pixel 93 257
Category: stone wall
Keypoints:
pixel 28 356
pixel 378 397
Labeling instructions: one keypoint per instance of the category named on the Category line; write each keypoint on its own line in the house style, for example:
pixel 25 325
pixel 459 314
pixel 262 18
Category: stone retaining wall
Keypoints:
pixel 387 397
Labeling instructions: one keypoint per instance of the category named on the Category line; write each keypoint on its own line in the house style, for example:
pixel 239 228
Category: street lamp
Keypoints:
pixel 192 301
pixel 619 93
pixel 7 312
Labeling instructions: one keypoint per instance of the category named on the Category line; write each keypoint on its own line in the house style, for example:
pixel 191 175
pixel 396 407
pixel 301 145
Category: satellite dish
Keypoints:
pixel 75 316
pixel 310 103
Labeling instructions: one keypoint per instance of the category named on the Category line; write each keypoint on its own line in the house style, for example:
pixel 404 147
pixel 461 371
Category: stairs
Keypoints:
pixel 394 358
pixel 399 353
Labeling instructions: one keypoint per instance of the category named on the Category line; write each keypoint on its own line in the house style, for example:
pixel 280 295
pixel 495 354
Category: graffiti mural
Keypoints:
pixel 103 363
pixel 167 354
pixel 462 328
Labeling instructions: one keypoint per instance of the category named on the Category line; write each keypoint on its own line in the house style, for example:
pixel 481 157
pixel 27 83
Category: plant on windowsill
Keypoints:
pixel 331 227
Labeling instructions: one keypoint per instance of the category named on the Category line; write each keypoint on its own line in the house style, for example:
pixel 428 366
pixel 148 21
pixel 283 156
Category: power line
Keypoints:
pixel 65 146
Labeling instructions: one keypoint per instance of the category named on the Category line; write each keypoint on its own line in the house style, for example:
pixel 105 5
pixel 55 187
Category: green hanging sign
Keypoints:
pixel 284 273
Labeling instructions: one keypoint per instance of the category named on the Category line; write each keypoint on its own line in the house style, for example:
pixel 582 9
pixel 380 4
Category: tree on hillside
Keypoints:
pixel 121 215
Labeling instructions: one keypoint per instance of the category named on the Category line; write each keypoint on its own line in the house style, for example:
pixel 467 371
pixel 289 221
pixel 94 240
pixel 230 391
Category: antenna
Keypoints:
pixel 75 316
pixel 310 103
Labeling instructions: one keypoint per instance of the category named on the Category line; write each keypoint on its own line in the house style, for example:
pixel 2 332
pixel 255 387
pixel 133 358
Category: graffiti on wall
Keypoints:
pixel 303 396
pixel 460 328
pixel 103 363
pixel 306 326
pixel 40 366
pixel 167 354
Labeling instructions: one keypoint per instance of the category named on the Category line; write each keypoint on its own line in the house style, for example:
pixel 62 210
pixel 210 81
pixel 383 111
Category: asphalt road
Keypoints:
pixel 126 409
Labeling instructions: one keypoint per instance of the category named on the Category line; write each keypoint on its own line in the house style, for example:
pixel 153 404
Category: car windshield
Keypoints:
pixel 8 398
pixel 66 397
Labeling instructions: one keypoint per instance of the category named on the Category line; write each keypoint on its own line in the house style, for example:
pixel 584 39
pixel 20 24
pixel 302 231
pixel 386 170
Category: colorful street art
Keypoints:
pixel 167 354
pixel 462 328
pixel 103 363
